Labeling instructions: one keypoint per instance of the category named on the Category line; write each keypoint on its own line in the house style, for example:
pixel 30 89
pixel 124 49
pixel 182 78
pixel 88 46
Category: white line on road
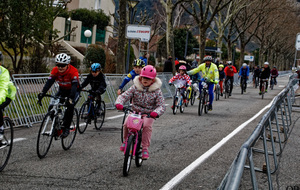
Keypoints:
pixel 114 117
pixel 185 172
pixel 19 139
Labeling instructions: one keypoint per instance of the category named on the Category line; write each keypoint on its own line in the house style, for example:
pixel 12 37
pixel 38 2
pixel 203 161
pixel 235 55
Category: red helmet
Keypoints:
pixel 182 67
pixel 149 72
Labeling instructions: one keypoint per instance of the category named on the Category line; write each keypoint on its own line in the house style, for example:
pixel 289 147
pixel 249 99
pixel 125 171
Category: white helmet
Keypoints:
pixel 62 58
pixel 244 64
pixel 266 63
pixel 229 62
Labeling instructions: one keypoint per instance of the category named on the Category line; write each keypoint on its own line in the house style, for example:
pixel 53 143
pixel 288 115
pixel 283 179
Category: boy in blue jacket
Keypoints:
pixel 138 64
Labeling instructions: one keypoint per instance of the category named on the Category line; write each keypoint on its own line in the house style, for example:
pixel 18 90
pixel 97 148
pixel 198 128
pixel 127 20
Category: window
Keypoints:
pixel 97 4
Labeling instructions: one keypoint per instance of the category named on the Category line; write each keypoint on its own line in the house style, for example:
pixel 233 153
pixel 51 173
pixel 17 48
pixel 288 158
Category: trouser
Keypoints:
pixel 245 81
pixel 275 80
pixel 210 91
pixel 231 82
pixel 182 90
pixel 146 134
pixel 221 85
pixel 69 107
pixel 266 87
pixel 2 106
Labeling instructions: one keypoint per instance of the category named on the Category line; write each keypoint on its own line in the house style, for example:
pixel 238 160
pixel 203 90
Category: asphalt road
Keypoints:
pixel 95 162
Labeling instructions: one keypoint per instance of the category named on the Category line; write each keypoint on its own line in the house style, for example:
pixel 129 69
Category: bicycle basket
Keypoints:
pixel 54 101
pixel 134 122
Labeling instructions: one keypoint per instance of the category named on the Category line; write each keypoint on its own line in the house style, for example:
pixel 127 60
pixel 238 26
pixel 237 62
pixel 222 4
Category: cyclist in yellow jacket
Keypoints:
pixel 7 93
pixel 209 72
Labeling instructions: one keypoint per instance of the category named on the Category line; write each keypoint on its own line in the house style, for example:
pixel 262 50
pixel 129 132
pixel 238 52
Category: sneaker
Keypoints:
pixel 260 93
pixel 172 107
pixel 198 97
pixel 210 107
pixel 229 94
pixel 122 147
pixel 266 91
pixel 245 90
pixel 1 134
pixel 145 154
pixel 184 101
pixel 66 132
pixel 221 94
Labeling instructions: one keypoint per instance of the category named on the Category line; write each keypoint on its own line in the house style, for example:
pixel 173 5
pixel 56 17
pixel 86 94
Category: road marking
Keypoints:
pixel 281 86
pixel 185 172
pixel 114 117
pixel 19 139
pixel 166 104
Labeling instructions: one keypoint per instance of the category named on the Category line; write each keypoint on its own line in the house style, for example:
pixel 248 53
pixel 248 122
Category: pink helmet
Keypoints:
pixel 149 72
pixel 182 67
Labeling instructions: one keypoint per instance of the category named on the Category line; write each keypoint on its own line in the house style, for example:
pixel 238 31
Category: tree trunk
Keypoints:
pixel 219 43
pixel 170 33
pixel 229 50
pixel 120 68
pixel 202 42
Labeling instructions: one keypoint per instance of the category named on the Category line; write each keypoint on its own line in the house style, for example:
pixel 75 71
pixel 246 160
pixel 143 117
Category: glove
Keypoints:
pixel 170 84
pixel 69 101
pixel 119 106
pixel 153 115
pixel 41 96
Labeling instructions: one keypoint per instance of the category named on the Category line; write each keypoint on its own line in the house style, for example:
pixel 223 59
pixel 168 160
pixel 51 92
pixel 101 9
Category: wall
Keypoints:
pixel 59 24
pixel 108 7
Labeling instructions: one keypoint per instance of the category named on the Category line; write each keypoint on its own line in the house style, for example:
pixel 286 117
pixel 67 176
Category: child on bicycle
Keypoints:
pixel 97 81
pixel 221 77
pixel 7 93
pixel 138 64
pixel 181 78
pixel 146 97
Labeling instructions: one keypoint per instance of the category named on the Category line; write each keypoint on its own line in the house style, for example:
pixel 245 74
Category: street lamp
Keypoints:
pixel 87 34
pixel 131 4
pixel 188 26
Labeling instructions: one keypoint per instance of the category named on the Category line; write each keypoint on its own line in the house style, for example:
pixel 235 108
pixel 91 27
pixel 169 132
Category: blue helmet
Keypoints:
pixel 96 67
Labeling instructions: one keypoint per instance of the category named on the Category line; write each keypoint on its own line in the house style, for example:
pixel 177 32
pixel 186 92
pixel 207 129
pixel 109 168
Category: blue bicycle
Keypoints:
pixel 178 99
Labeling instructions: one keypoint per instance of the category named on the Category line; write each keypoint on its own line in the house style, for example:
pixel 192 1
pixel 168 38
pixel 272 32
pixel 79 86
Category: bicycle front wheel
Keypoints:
pixel 100 116
pixel 205 104
pixel 200 106
pixel 68 141
pixel 83 117
pixel 175 105
pixel 45 135
pixel 128 156
pixel 6 143
pixel 138 151
pixel 193 98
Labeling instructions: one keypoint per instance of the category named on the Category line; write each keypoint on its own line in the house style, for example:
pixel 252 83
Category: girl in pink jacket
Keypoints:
pixel 146 98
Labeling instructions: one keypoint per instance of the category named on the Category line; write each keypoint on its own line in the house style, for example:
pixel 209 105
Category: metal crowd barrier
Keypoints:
pixel 272 130
pixel 25 111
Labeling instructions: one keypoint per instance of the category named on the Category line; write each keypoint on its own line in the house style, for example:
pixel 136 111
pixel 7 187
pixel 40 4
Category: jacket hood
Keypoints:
pixel 156 85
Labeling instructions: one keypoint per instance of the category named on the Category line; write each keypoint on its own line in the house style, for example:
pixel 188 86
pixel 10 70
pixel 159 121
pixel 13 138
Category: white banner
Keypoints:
pixel 298 42
pixel 249 58
pixel 138 32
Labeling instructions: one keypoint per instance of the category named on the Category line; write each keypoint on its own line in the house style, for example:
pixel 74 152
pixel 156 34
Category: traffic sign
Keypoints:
pixel 298 42
pixel 138 32
pixel 249 58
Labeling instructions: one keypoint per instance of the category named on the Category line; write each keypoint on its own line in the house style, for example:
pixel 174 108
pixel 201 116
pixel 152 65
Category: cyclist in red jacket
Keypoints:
pixel 229 73
pixel 67 78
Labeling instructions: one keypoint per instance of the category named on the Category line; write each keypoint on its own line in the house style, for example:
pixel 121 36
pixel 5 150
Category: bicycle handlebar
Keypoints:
pixel 125 109
pixel 51 96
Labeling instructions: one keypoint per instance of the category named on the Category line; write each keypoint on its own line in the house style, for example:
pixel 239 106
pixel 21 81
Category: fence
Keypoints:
pixel 272 130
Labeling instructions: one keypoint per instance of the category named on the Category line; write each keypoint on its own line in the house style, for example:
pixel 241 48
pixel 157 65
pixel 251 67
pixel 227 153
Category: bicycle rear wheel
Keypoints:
pixel 193 98
pixel 45 135
pixel 83 117
pixel 128 156
pixel 6 143
pixel 99 120
pixel 138 151
pixel 68 141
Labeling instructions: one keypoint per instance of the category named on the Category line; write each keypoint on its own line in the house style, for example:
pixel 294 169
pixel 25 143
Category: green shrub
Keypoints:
pixel 91 17
pixel 95 54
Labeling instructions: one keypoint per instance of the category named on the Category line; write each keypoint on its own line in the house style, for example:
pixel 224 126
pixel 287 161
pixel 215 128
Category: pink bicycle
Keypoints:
pixel 133 148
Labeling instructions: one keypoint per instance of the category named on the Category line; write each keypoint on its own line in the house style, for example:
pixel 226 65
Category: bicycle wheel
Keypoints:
pixel 99 120
pixel 45 135
pixel 139 151
pixel 187 95
pixel 201 104
pixel 175 105
pixel 193 98
pixel 242 86
pixel 125 114
pixel 262 92
pixel 83 117
pixel 68 141
pixel 128 156
pixel 182 108
pixel 6 143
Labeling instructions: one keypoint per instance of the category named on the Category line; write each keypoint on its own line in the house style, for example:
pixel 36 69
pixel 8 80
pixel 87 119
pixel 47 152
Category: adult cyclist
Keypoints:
pixel 265 74
pixel 229 73
pixel 138 64
pixel 256 74
pixel 244 74
pixel 274 74
pixel 7 94
pixel 209 71
pixel 67 78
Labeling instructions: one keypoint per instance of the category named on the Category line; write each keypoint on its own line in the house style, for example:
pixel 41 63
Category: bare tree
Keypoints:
pixel 121 40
